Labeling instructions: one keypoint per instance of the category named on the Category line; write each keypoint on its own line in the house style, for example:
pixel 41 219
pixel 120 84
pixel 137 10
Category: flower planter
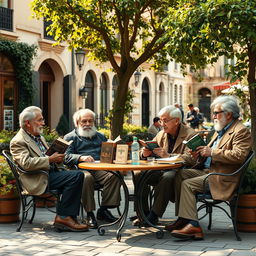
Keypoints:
pixel 9 207
pixel 246 213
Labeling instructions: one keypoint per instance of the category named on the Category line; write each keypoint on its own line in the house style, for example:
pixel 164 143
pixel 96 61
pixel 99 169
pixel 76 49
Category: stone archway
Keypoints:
pixel 204 102
pixel 145 103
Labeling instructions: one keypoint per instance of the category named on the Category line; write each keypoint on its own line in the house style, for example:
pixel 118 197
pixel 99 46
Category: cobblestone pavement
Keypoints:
pixel 41 239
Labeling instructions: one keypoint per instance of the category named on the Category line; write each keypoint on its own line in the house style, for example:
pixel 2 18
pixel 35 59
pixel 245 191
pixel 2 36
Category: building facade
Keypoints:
pixel 61 87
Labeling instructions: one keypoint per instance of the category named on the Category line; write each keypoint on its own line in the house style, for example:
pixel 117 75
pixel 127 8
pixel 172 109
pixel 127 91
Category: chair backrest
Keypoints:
pixel 242 170
pixel 14 168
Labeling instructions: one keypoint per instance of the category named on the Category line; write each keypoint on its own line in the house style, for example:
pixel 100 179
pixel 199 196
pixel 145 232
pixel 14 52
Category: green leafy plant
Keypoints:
pixel 63 126
pixel 7 180
pixel 50 135
pixel 249 182
pixel 22 55
pixel 6 136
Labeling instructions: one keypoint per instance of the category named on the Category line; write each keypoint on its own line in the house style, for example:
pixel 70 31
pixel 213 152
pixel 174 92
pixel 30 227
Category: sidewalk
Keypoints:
pixel 40 239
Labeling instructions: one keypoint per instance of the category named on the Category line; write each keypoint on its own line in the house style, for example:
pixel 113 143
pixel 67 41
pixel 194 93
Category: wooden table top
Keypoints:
pixel 144 165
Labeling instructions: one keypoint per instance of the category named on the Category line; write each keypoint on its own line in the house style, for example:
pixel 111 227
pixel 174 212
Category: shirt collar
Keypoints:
pixel 221 132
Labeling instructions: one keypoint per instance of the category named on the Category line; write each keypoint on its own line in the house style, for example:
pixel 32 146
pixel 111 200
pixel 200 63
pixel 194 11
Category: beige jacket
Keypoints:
pixel 185 133
pixel 227 157
pixel 28 156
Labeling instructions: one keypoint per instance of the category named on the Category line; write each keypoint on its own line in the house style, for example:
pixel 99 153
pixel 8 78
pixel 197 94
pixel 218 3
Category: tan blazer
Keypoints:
pixel 185 133
pixel 227 157
pixel 28 156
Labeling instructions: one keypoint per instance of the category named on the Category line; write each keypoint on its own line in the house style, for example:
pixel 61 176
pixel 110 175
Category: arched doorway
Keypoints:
pixel 161 96
pixel 103 99
pixel 145 103
pixel 204 96
pixel 46 79
pixel 8 94
pixel 89 85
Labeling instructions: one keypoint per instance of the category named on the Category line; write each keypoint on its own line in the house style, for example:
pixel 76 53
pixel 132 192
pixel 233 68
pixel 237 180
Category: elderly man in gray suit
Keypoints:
pixel 28 149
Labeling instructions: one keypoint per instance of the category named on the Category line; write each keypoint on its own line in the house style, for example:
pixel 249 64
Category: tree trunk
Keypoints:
pixel 116 124
pixel 252 91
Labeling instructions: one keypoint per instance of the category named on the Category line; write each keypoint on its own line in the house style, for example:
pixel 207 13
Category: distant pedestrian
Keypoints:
pixel 200 116
pixel 177 105
pixel 155 127
pixel 192 118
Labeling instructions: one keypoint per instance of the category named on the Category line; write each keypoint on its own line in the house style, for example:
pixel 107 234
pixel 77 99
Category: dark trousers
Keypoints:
pixel 69 183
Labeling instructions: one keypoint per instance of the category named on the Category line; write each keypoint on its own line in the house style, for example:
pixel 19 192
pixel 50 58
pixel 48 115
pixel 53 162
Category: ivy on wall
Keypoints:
pixel 21 55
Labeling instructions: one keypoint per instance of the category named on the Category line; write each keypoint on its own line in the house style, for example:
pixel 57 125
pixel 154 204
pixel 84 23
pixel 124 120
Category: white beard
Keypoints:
pixel 220 124
pixel 87 132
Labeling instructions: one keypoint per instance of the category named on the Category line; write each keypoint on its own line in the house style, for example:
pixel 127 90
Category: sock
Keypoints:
pixel 63 217
pixel 103 208
pixel 194 223
pixel 153 214
pixel 90 214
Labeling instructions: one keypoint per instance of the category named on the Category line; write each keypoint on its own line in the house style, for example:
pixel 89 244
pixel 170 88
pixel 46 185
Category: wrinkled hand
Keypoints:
pixel 86 159
pixel 56 158
pixel 146 152
pixel 161 152
pixel 204 151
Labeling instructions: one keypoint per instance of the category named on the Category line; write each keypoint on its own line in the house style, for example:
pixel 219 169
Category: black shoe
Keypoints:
pixel 91 220
pixel 105 215
pixel 152 218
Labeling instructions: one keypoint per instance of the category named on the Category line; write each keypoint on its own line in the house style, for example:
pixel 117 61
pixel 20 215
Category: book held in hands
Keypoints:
pixel 151 145
pixel 59 145
pixel 195 142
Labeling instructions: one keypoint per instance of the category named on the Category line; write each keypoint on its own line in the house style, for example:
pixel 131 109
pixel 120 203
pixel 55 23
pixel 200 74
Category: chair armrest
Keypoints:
pixel 33 172
pixel 219 174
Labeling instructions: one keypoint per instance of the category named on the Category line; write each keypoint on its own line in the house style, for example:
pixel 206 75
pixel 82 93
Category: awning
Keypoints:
pixel 224 85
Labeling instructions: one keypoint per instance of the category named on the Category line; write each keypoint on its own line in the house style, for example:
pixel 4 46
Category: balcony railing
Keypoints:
pixel 6 20
pixel 46 35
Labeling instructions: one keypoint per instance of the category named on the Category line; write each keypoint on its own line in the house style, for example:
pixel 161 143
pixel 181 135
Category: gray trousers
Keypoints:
pixel 111 189
pixel 188 182
pixel 163 182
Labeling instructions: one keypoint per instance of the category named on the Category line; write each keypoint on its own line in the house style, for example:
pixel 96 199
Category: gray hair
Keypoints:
pixel 228 103
pixel 81 112
pixel 171 111
pixel 28 113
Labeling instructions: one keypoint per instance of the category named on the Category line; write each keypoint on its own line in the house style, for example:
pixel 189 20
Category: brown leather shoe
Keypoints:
pixel 189 231
pixel 69 224
pixel 178 224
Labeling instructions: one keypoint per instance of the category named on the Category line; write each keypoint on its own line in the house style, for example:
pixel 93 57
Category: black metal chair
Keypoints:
pixel 208 202
pixel 29 201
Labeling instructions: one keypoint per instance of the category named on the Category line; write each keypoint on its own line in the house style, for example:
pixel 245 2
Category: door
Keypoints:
pixel 8 103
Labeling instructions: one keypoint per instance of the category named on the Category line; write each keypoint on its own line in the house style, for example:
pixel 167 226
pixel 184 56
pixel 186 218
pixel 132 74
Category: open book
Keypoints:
pixel 151 145
pixel 195 142
pixel 170 160
pixel 59 145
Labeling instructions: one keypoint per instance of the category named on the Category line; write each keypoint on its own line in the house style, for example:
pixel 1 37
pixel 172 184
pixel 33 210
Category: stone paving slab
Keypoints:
pixel 40 239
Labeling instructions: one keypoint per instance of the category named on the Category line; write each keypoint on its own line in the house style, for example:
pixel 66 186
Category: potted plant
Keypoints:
pixel 9 199
pixel 246 211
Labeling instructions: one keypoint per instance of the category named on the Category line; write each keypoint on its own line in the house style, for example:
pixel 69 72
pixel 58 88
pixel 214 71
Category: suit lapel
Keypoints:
pixel 31 143
pixel 180 138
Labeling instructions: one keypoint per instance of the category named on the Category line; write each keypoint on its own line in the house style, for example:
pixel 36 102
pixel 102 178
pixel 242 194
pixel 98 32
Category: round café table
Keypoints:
pixel 117 169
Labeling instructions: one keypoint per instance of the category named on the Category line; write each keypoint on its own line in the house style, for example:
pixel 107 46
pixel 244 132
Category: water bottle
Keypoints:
pixel 135 148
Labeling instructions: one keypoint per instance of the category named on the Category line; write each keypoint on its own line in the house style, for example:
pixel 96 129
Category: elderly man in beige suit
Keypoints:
pixel 28 149
pixel 226 152
pixel 170 141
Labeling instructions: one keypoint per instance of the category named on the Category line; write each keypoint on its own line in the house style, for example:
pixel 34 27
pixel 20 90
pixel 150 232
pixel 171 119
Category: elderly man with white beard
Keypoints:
pixel 225 153
pixel 86 147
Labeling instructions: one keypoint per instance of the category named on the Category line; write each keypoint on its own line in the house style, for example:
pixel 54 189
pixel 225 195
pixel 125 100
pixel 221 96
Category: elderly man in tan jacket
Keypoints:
pixel 226 152
pixel 170 141
pixel 28 149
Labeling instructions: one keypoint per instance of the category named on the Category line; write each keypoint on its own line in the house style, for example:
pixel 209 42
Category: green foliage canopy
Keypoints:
pixel 203 30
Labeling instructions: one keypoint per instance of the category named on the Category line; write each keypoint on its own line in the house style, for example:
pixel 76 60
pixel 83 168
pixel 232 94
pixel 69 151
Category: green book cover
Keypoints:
pixel 195 142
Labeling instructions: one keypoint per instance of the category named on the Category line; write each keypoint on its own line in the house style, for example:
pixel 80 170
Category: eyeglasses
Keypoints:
pixel 84 121
pixel 162 122
pixel 41 120
pixel 215 113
